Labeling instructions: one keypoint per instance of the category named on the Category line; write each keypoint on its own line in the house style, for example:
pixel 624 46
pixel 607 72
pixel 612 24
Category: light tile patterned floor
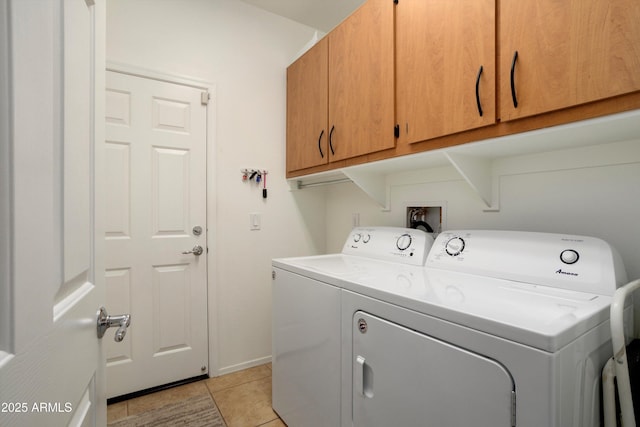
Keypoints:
pixel 243 398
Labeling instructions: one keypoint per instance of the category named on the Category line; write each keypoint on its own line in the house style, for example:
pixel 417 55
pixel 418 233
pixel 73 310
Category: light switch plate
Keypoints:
pixel 254 221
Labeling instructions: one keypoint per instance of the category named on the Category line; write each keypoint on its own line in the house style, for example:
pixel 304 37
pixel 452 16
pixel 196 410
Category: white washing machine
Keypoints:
pixel 502 329
pixel 307 320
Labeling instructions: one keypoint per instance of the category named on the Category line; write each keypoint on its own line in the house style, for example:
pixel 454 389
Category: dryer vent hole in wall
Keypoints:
pixel 425 218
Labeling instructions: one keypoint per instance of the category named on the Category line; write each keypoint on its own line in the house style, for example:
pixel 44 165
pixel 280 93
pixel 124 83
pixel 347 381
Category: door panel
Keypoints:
pixel 172 332
pixel 170 192
pixel 77 128
pixel 404 378
pixel 118 157
pixel 156 170
pixel 52 365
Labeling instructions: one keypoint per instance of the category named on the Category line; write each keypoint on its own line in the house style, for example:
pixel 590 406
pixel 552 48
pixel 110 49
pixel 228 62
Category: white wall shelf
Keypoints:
pixel 475 161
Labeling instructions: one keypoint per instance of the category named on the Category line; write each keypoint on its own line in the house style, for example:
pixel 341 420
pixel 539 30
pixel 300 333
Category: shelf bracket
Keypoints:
pixel 477 172
pixel 374 184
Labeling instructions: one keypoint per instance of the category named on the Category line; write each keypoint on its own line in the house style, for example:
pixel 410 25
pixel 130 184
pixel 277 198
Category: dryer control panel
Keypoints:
pixel 579 263
pixel 395 244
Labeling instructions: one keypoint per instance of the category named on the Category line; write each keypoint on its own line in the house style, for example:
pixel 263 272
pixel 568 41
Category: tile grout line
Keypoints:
pixel 216 405
pixel 234 386
pixel 238 384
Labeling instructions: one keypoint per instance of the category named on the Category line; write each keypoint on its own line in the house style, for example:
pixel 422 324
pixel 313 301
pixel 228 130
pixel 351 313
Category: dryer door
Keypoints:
pixel 404 378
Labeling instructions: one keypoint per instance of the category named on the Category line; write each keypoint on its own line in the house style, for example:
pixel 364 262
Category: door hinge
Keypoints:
pixel 396 131
pixel 513 408
pixel 204 98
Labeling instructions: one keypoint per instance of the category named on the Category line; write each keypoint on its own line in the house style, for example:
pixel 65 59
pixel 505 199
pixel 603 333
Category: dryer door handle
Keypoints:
pixel 363 378
pixel 358 375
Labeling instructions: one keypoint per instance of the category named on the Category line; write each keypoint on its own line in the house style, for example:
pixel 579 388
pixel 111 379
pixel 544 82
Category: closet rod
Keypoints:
pixel 301 185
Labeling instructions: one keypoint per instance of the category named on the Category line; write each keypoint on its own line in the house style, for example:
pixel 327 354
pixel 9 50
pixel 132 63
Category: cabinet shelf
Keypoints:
pixel 475 161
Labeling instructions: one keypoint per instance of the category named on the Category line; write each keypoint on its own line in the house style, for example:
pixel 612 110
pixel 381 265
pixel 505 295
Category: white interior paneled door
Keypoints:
pixel 51 360
pixel 156 211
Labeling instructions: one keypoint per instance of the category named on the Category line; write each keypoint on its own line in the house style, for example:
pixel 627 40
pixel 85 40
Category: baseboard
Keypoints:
pixel 241 366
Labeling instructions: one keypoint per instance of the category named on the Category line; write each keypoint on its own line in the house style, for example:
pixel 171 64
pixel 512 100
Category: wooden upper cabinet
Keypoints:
pixel 445 56
pixel 447 72
pixel 361 82
pixel 569 52
pixel 307 103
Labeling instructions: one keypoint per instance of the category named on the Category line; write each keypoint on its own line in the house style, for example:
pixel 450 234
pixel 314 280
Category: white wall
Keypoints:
pixel 244 52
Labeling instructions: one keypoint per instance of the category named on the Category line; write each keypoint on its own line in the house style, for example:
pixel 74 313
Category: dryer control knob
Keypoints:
pixel 569 256
pixel 357 237
pixel 454 246
pixel 403 242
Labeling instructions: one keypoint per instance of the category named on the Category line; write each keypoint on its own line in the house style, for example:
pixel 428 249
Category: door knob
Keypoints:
pixel 197 251
pixel 105 321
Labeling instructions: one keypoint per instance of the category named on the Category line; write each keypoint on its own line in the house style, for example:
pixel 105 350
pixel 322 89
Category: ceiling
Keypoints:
pixel 323 15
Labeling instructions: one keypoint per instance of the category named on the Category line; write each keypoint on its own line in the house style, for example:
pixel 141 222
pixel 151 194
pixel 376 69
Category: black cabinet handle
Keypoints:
pixel 320 146
pixel 513 83
pixel 478 91
pixel 331 140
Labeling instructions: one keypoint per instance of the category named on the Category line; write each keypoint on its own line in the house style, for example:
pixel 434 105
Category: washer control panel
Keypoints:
pixel 404 242
pixel 570 262
pixel 454 246
pixel 569 256
pixel 395 244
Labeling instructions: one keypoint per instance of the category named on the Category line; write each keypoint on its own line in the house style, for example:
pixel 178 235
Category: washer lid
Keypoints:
pixel 539 316
pixel 336 269
pixel 578 263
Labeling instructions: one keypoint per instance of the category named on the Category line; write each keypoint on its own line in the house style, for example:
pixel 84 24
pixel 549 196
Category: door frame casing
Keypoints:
pixel 212 297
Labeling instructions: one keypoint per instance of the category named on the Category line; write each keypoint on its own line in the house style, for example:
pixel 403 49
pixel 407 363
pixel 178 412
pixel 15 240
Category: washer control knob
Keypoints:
pixel 454 246
pixel 357 237
pixel 403 242
pixel 569 256
pixel 366 238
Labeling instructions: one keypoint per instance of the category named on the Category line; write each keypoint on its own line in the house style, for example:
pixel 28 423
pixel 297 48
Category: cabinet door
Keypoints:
pixel 307 100
pixel 570 52
pixel 361 82
pixel 440 49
